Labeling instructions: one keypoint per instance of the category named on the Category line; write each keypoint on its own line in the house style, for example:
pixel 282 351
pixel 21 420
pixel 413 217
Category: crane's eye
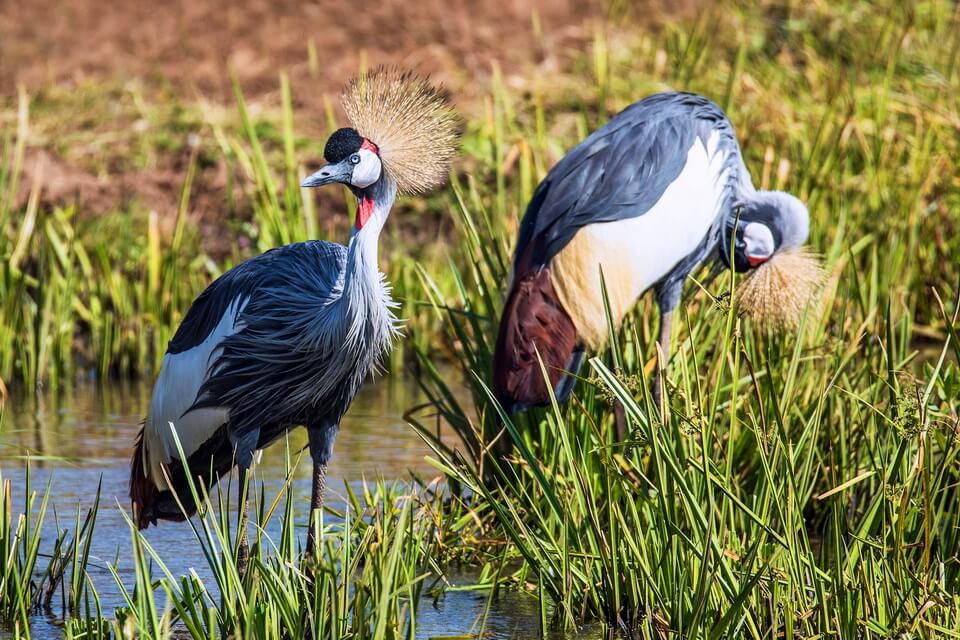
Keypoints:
pixel 355 158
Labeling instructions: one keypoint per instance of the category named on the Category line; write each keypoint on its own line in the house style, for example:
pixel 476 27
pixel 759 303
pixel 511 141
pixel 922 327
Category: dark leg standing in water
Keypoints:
pixel 321 447
pixel 243 507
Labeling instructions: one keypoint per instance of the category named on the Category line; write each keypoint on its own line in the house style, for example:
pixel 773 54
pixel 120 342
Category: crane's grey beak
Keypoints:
pixel 339 172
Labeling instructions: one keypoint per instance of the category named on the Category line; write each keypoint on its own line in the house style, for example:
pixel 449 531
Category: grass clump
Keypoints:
pixel 378 557
pixel 33 581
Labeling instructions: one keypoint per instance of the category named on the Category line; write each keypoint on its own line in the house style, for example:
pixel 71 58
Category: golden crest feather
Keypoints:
pixel 780 291
pixel 410 120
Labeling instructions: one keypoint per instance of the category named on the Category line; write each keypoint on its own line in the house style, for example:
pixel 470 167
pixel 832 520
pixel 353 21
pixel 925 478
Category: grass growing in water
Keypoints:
pixel 378 557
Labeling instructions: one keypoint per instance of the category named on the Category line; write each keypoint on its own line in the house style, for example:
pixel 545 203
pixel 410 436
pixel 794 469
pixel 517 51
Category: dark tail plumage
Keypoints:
pixel 534 322
pixel 208 464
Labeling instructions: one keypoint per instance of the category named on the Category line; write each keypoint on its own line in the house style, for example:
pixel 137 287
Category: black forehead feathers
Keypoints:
pixel 341 144
pixel 759 212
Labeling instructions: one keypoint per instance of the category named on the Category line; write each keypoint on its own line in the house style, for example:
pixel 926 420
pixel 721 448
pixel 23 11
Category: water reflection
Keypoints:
pixel 95 426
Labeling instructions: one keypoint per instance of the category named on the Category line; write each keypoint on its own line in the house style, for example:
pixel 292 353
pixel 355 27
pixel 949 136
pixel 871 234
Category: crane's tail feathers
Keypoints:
pixel 533 324
pixel 151 503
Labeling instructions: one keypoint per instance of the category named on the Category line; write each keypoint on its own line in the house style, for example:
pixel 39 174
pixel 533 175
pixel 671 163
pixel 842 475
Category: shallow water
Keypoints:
pixel 84 436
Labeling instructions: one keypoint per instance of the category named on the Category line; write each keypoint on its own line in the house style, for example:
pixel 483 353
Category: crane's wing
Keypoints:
pixel 270 269
pixel 189 392
pixel 620 171
pixel 313 270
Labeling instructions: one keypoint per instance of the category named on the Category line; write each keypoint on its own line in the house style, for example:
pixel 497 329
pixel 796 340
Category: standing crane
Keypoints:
pixel 287 338
pixel 639 204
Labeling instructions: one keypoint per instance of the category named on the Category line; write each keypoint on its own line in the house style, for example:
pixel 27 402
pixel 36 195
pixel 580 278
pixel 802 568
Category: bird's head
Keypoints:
pixel 767 239
pixel 753 244
pixel 770 222
pixel 353 161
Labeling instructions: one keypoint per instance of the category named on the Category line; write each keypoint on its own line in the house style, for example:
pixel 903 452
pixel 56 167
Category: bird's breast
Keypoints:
pixel 634 253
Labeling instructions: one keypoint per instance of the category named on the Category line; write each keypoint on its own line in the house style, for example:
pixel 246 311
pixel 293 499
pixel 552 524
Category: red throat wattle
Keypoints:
pixel 364 211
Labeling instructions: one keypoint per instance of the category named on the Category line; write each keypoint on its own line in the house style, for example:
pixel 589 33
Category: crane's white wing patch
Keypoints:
pixel 175 391
pixel 635 253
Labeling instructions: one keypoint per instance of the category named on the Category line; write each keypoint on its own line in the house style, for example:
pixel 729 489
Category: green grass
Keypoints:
pixel 801 485
pixel 32 580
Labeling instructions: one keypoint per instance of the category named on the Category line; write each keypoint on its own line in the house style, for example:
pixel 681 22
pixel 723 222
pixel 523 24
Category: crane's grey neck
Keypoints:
pixel 364 241
pixel 785 215
pixel 363 282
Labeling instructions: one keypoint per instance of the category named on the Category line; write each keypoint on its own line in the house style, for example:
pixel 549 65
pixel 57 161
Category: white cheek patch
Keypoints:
pixel 759 241
pixel 367 171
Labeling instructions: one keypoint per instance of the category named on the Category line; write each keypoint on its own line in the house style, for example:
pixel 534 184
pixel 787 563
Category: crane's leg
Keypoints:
pixel 244 450
pixel 316 505
pixel 620 419
pixel 666 325
pixel 321 448
pixel 243 512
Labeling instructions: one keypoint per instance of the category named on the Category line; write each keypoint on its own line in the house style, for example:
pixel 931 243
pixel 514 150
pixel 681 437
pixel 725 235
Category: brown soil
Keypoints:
pixel 193 46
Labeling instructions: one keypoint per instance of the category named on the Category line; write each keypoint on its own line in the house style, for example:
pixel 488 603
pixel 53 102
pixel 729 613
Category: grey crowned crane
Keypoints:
pixel 286 338
pixel 646 198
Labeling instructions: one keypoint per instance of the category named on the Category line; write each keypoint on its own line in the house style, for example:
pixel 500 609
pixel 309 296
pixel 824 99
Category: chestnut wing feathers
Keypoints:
pixel 533 324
